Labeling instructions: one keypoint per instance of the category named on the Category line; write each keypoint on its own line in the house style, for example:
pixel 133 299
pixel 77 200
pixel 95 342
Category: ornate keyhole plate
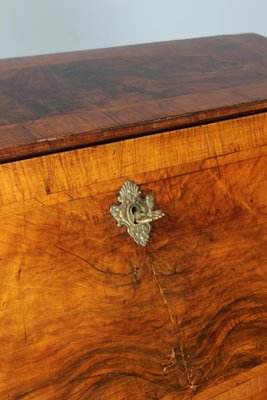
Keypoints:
pixel 135 212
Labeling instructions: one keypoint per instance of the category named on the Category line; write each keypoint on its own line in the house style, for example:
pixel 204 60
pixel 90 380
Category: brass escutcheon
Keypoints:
pixel 135 212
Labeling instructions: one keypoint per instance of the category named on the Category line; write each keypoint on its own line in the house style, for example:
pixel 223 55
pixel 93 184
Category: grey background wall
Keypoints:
pixel 30 27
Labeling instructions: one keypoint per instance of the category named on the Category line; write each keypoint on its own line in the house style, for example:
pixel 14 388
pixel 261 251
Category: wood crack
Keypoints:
pixel 175 328
pixel 90 264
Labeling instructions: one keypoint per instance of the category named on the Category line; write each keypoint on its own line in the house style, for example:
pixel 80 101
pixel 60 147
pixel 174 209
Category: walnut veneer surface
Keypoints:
pixel 85 313
pixel 54 102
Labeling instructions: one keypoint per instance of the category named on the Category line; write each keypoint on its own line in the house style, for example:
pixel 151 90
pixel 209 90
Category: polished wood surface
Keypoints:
pixel 56 102
pixel 168 153
pixel 246 386
pixel 254 389
pixel 87 314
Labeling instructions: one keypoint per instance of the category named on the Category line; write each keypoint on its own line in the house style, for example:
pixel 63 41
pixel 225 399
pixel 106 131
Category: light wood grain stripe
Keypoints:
pixel 74 169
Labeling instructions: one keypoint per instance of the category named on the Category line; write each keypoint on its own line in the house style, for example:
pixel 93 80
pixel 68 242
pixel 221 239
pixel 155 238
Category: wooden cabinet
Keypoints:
pixel 87 313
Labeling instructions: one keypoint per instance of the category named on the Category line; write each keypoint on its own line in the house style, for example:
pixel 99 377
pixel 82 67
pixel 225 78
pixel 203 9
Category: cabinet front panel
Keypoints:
pixel 86 313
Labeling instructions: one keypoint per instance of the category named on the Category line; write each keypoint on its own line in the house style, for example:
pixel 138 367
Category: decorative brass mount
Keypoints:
pixel 135 212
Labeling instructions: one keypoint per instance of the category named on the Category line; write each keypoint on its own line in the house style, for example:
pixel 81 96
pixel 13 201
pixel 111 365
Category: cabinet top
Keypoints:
pixel 56 102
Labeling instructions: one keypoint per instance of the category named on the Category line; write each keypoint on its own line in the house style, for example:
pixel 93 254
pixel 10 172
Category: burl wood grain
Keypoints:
pixel 87 314
pixel 58 102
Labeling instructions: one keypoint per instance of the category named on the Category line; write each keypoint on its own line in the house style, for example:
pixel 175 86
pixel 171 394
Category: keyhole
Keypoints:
pixel 134 209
